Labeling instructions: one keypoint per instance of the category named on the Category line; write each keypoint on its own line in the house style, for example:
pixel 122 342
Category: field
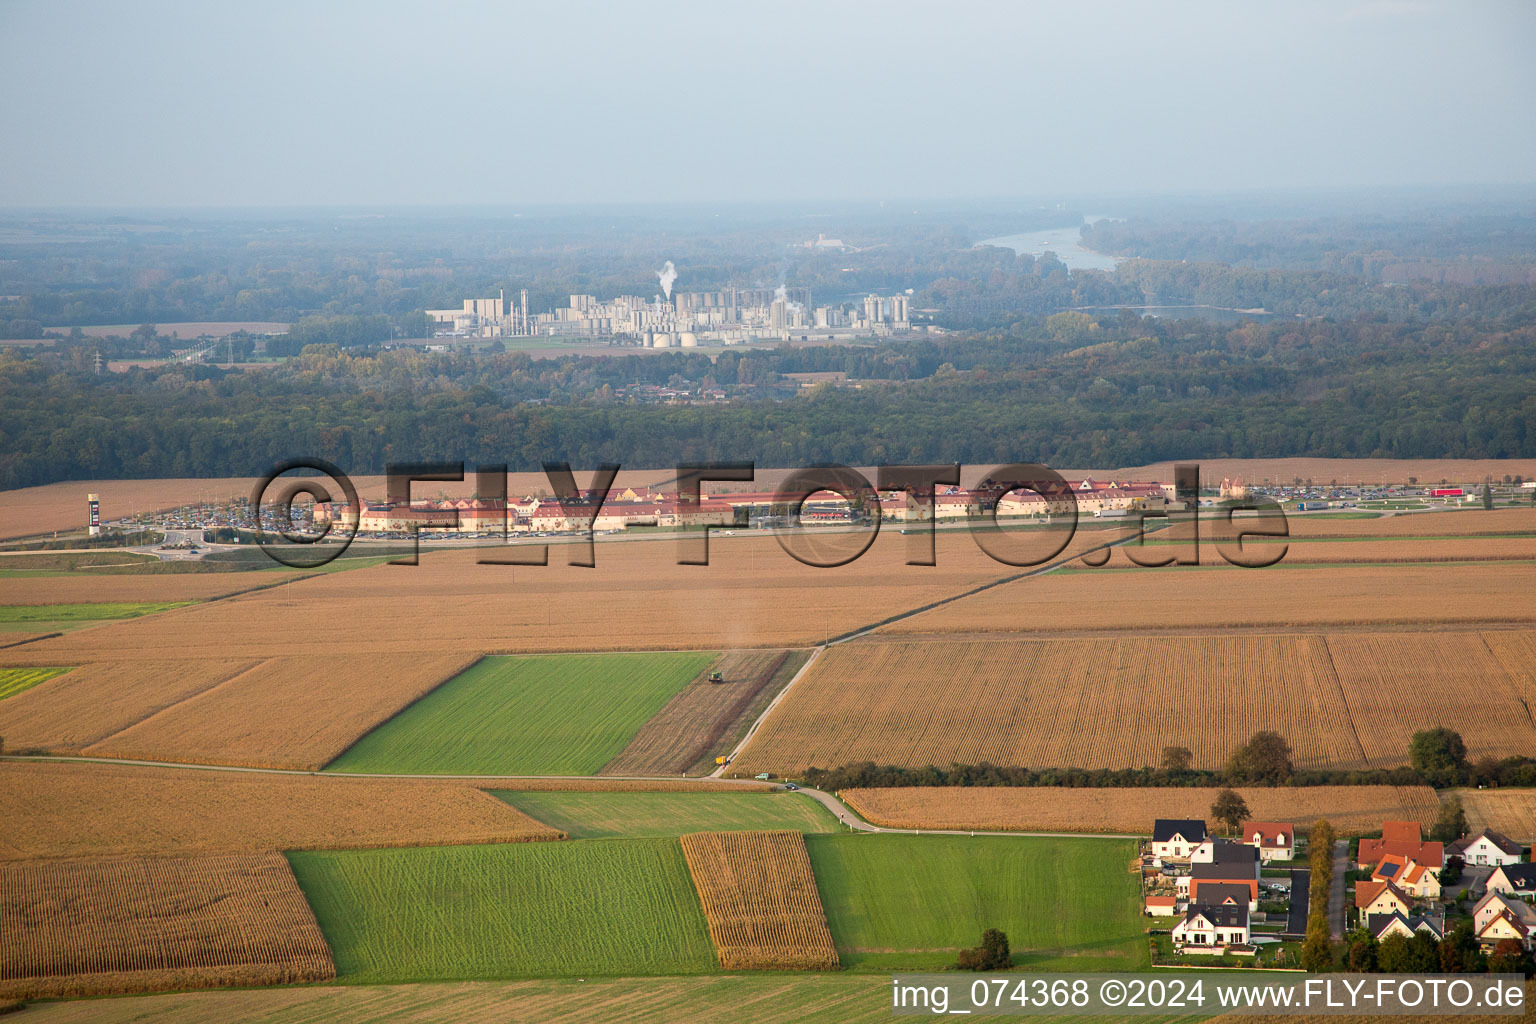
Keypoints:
pixel 325 705
pixel 546 715
pixel 14 680
pixel 915 704
pixel 1510 811
pixel 1278 597
pixel 1353 810
pixel 1345 471
pixel 85 612
pixel 751 594
pixel 90 588
pixel 899 903
pixel 1376 1018
pixel 74 809
pixel 760 900
pixel 1363 551
pixel 593 815
pixel 702 715
pixel 611 907
pixel 139 924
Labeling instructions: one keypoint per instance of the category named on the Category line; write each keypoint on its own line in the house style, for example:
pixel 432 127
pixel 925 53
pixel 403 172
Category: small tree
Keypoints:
pixel 1487 495
pixel 1509 957
pixel 1230 809
pixel 992 955
pixel 1361 951
pixel 1177 759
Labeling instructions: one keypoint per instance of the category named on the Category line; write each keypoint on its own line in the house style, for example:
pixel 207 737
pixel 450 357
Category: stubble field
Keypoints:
pixel 1510 811
pixel 1353 810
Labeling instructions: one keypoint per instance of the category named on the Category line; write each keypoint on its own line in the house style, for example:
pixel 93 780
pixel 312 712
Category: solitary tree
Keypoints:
pixel 1177 759
pixel 992 955
pixel 1487 495
pixel 1438 754
pixel 1451 825
pixel 1266 757
pixel 1230 809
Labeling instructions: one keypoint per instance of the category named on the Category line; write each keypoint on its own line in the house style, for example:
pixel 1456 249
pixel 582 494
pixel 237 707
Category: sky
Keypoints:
pixel 425 104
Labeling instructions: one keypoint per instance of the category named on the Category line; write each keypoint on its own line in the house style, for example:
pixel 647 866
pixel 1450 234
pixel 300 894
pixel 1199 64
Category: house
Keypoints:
pixel 1176 838
pixel 1274 840
pixel 1381 898
pixel 1382 925
pixel 1498 917
pixel 1513 879
pixel 1212 927
pixel 1219 894
pixel 1403 839
pixel 1161 906
pixel 1236 865
pixel 1487 847
pixel 1216 850
pixel 1408 875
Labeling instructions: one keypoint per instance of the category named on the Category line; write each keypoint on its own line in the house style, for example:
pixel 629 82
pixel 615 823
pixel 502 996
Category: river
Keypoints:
pixel 1066 243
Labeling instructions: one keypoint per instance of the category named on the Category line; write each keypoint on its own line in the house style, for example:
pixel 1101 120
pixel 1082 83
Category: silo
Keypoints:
pixel 688 340
pixel 661 340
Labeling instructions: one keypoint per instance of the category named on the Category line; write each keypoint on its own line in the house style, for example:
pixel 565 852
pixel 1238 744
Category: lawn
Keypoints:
pixel 562 714
pixel 586 815
pixel 898 902
pixel 610 907
pixel 83 612
pixel 14 680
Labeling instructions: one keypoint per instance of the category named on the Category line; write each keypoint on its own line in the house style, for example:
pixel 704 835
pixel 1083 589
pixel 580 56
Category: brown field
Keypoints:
pixel 284 712
pixel 1105 702
pixel 760 900
pixel 17 639
pixel 90 927
pixel 82 707
pixel 1140 599
pixel 1461 523
pixel 1510 811
pixel 87 586
pixel 751 594
pixel 694 720
pixel 707 999
pixel 81 809
pixel 1377 1018
pixel 1362 551
pixel 1353 810
pixel 1345 471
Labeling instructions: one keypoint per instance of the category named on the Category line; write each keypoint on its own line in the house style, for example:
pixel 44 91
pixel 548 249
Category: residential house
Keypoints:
pixel 1176 838
pixel 1403 839
pixel 1498 917
pixel 1381 898
pixel 1513 880
pixel 1275 840
pixel 1235 864
pixel 1487 847
pixel 1161 906
pixel 1408 875
pixel 1382 925
pixel 1212 926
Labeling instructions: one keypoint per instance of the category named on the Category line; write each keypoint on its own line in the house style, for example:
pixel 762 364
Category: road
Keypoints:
pixel 1301 900
pixel 1336 894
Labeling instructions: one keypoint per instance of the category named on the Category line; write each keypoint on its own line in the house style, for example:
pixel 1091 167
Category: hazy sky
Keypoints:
pixel 431 103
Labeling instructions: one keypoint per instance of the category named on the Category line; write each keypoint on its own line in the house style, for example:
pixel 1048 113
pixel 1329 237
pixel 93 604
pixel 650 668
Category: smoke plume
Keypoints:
pixel 666 275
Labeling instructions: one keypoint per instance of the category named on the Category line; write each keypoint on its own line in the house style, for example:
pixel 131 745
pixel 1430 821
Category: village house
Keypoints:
pixel 1497 917
pixel 1381 898
pixel 1176 838
pixel 1487 847
pixel 1274 840
pixel 1213 927
pixel 1403 839
pixel 1161 906
pixel 1409 875
pixel 1232 866
pixel 1513 880
pixel 1382 925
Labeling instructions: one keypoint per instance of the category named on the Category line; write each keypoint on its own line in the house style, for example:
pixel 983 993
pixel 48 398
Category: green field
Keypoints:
pixel 561 714
pixel 14 680
pixel 82 612
pixel 610 907
pixel 583 815
pixel 898 902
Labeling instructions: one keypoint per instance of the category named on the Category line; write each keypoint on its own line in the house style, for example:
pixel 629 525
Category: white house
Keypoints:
pixel 1513 879
pixel 1212 927
pixel 1395 923
pixel 1497 917
pixel 1487 847
pixel 1176 838
pixel 1276 840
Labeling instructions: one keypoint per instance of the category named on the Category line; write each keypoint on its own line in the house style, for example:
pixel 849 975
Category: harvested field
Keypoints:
pixel 1345 471
pixel 79 809
pixel 1510 811
pixel 1353 810
pixel 593 815
pixel 696 718
pixel 285 712
pixel 1082 602
pixel 751 594
pixel 86 585
pixel 760 900
pixel 9 639
pixel 754 998
pixel 91 927
pixel 1376 1018
pixel 1356 550
pixel 93 702
pixel 1023 702
pixel 1461 523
